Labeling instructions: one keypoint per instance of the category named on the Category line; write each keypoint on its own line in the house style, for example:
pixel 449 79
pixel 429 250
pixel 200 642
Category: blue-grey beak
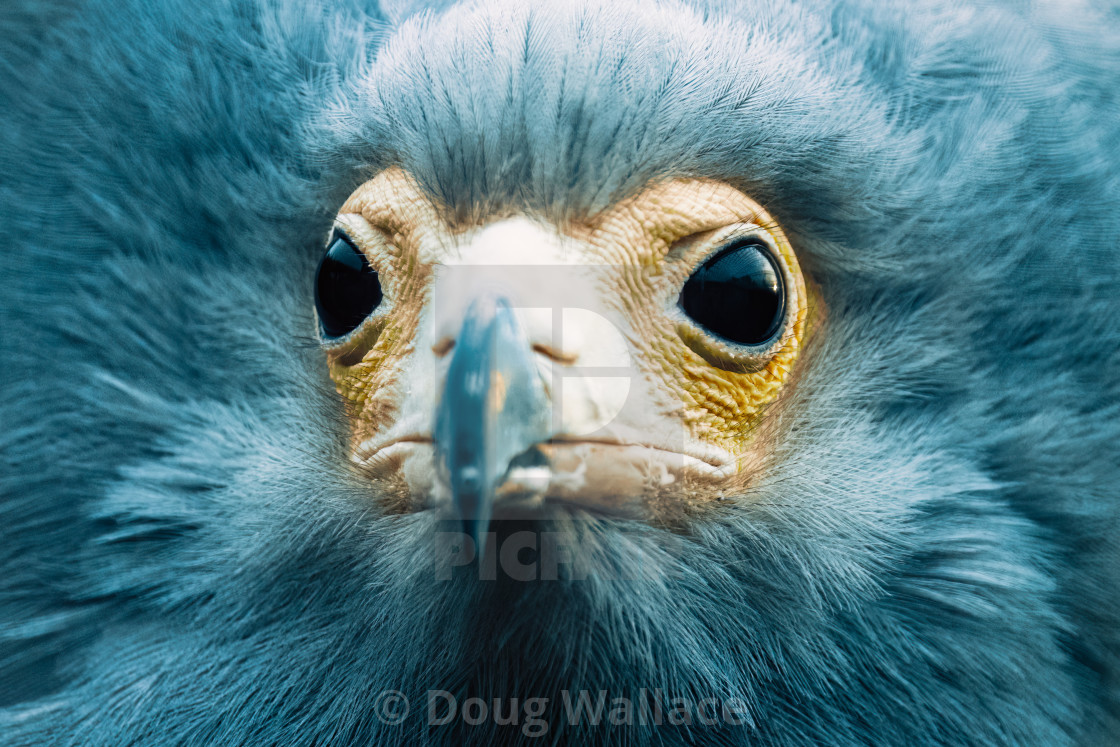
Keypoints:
pixel 493 409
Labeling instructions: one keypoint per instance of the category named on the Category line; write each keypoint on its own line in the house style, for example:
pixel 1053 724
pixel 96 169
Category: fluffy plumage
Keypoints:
pixel 929 557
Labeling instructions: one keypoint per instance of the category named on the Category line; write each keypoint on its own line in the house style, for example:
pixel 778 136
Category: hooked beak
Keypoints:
pixel 493 410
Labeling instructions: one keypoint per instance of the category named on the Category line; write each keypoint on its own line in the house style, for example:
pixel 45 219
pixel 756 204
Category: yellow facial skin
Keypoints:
pixel 396 228
pixel 646 248
pixel 722 393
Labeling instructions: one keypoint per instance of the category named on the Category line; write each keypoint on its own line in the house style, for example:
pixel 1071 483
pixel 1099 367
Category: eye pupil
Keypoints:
pixel 347 289
pixel 737 295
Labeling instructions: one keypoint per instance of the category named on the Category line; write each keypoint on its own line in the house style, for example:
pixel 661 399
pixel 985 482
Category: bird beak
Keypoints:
pixel 492 411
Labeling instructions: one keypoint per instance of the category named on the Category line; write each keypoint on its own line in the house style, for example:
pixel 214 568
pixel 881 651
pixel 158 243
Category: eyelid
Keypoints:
pixel 717 240
pixel 339 232
pixel 682 247
pixel 747 239
pixel 371 240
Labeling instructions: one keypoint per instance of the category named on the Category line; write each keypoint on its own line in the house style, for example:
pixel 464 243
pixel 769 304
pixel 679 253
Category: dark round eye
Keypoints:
pixel 346 288
pixel 737 295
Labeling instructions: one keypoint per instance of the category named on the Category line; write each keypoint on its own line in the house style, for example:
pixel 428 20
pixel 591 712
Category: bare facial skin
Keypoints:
pixel 649 408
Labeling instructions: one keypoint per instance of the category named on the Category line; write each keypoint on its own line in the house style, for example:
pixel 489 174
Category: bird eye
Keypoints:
pixel 346 288
pixel 738 294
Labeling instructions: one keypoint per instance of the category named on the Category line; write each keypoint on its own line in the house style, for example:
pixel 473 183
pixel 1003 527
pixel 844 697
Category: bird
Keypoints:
pixel 638 372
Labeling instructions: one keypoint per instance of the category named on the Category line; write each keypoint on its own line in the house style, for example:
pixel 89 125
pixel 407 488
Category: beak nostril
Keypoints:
pixel 559 356
pixel 443 346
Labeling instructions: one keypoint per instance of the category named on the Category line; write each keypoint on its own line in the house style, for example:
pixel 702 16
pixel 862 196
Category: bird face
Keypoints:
pixel 623 363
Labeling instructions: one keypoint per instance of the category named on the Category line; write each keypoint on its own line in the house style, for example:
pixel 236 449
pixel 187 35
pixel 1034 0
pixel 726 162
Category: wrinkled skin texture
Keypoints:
pixel 926 555
pixel 687 395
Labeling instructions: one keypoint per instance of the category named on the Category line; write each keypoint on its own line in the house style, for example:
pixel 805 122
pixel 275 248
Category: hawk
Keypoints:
pixel 636 372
